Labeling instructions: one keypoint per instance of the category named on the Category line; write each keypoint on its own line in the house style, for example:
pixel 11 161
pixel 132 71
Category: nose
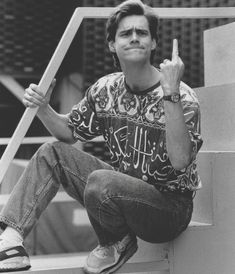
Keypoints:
pixel 134 37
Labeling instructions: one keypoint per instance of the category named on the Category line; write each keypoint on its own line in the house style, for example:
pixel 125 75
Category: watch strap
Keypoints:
pixel 174 98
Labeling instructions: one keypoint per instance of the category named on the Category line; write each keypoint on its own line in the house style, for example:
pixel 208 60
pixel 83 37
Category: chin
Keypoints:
pixel 135 58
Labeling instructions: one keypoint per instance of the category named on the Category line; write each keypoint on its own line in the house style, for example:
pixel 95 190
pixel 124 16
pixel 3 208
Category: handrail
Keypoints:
pixel 44 84
pixel 169 13
pixel 13 86
pixel 41 140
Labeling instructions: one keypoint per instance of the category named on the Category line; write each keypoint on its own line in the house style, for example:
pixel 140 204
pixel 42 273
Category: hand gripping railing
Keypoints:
pixel 54 64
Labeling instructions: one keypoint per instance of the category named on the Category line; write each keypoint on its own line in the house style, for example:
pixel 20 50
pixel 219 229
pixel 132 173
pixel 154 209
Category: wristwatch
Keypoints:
pixel 174 98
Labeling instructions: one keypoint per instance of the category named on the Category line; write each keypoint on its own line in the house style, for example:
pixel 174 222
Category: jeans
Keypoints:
pixel 116 203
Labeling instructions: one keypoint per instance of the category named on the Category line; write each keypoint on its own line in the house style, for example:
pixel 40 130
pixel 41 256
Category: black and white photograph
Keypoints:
pixel 117 136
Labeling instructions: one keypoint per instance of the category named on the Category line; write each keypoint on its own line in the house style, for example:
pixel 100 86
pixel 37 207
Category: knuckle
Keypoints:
pixel 26 96
pixel 33 87
pixel 27 90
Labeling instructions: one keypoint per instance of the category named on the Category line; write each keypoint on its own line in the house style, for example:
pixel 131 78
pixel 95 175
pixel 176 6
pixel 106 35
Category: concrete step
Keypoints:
pixel 73 263
pixel 150 258
pixel 217 117
pixel 140 263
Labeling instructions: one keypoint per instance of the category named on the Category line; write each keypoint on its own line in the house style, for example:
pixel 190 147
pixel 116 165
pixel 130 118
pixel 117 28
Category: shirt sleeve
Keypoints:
pixel 83 120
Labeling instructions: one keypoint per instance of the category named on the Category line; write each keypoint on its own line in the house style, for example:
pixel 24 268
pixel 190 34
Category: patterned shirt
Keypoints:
pixel 133 127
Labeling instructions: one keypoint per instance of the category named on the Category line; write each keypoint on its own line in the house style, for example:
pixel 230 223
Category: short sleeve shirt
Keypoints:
pixel 133 127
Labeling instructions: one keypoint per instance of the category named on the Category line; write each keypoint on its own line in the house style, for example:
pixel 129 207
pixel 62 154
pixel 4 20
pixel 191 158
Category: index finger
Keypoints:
pixel 175 50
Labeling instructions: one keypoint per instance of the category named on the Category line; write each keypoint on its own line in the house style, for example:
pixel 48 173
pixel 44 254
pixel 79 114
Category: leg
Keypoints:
pixel 121 204
pixel 121 207
pixel 53 164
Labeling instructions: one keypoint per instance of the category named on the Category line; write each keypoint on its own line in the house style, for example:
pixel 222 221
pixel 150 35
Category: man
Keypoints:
pixel 150 121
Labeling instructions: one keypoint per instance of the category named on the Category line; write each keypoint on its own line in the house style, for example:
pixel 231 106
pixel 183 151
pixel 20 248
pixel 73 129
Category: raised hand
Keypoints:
pixel 33 97
pixel 172 71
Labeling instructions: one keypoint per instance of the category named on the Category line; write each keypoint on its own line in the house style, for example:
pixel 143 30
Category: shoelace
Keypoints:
pixel 102 251
pixel 121 245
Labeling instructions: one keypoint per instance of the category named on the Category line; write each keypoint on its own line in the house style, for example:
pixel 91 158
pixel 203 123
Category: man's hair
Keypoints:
pixel 128 8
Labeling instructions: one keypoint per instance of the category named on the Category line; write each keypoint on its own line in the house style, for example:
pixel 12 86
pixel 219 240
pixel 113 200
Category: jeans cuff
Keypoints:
pixel 4 222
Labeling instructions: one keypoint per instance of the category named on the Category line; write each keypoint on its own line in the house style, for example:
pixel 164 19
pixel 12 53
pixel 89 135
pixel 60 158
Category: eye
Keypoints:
pixel 141 32
pixel 124 33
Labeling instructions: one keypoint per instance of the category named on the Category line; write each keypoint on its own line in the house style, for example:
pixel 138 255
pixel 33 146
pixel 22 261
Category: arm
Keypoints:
pixel 57 124
pixel 178 142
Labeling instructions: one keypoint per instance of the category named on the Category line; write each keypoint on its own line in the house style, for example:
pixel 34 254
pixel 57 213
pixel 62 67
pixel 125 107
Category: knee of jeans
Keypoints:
pixel 98 184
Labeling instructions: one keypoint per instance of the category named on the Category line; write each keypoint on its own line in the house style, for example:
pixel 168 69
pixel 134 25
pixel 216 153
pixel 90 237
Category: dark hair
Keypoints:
pixel 127 8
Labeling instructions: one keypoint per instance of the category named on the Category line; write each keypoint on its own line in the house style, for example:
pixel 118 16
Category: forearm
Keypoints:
pixel 56 124
pixel 178 142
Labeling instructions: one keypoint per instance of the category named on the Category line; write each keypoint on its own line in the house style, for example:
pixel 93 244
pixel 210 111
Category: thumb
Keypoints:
pixel 52 85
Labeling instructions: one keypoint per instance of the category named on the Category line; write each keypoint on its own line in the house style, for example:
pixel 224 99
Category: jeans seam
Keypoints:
pixel 38 196
pixel 75 174
pixel 44 186
pixel 132 199
pixel 124 198
pixel 72 192
pixel 128 198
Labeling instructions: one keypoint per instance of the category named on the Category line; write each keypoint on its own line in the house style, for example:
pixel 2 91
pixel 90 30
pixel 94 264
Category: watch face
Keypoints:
pixel 175 97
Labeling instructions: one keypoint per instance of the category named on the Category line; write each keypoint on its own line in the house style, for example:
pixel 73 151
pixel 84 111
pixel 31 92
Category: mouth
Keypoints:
pixel 134 48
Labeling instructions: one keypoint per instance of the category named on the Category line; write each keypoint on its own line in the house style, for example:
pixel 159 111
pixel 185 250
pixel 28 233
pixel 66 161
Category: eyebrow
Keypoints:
pixel 133 28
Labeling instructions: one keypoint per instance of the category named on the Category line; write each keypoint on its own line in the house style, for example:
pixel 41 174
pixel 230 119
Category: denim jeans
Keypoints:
pixel 116 203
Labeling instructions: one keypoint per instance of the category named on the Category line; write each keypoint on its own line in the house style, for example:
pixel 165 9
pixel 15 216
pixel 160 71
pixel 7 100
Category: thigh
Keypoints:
pixel 77 161
pixel 72 166
pixel 150 214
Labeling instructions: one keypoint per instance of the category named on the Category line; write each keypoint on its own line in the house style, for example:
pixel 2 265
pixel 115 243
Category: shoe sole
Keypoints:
pixel 20 264
pixel 15 269
pixel 131 249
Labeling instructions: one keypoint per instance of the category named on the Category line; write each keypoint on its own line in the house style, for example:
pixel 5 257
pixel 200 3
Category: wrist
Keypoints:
pixel 43 109
pixel 169 90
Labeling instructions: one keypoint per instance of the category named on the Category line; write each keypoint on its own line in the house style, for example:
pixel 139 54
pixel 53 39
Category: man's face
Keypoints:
pixel 133 42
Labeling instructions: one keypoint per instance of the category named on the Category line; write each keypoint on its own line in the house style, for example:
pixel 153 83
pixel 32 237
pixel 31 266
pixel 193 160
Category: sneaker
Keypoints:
pixel 107 259
pixel 13 258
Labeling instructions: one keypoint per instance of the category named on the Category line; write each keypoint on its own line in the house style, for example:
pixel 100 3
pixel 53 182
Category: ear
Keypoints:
pixel 154 44
pixel 112 46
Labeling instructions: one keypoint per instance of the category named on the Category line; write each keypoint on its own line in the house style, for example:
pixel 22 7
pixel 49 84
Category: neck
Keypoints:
pixel 139 78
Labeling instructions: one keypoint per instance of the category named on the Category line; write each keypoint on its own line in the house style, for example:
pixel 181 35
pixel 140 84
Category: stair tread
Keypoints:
pixel 195 223
pixel 58 260
pixel 76 260
pixel 72 263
